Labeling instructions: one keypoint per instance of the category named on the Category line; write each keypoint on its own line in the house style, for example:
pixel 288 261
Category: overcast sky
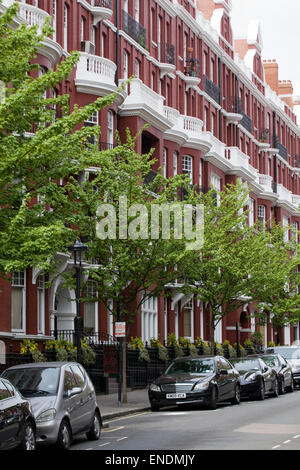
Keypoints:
pixel 280 22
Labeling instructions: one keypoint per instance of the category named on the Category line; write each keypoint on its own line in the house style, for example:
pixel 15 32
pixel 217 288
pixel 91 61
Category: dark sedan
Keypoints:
pixel 17 424
pixel 202 380
pixel 257 379
pixel 283 371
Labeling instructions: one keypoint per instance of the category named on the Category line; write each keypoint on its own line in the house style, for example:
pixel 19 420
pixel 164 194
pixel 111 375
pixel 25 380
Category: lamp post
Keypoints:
pixel 77 249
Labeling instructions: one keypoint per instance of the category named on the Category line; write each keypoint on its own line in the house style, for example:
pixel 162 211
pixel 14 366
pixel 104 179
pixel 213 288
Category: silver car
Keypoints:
pixel 62 398
pixel 292 356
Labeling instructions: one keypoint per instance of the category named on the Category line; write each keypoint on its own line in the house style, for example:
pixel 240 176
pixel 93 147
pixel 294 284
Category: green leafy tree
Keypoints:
pixel 37 149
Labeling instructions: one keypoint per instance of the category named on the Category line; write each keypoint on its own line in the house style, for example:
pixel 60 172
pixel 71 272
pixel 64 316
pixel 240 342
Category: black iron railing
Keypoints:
pixel 192 67
pixel 212 89
pixel 246 122
pixel 167 53
pixel 102 3
pixel 134 29
pixel 232 104
pixel 282 149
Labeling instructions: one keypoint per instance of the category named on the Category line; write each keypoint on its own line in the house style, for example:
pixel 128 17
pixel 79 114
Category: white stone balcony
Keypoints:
pixel 35 16
pixel 145 103
pixel 266 182
pixel 216 154
pixel 186 130
pixel 96 76
pixel 240 164
pixel 101 9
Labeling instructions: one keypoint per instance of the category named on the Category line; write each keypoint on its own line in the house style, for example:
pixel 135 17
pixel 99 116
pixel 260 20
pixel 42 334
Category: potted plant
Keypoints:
pixel 137 344
pixel 172 342
pixel 162 350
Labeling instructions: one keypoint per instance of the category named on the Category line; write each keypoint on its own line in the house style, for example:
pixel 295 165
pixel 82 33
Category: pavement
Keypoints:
pixel 110 407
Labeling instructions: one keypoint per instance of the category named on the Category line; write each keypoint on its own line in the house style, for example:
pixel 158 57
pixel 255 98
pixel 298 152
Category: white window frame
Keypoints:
pixel 66 14
pixel 91 292
pixel 215 181
pixel 54 19
pixel 261 214
pixel 285 223
pixel 41 304
pixel 110 127
pixel 187 166
pixel 149 310
pixel 175 163
pixel 19 281
pixel 189 306
pixel 251 212
pixel 125 65
pixel 165 160
pixel 137 10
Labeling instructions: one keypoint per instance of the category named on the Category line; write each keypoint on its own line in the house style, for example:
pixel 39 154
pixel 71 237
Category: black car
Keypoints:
pixel 257 379
pixel 17 424
pixel 283 371
pixel 196 380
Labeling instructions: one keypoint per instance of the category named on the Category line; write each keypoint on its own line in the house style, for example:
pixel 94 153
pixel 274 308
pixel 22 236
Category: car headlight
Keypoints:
pixel 154 388
pixel 251 378
pixel 47 415
pixel 201 386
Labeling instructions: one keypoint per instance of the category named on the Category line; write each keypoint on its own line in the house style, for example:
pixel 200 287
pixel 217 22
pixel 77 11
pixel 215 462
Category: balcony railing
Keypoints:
pixel 246 122
pixel 232 104
pixel 166 53
pixel 297 161
pixel 212 89
pixel 265 136
pixel 102 3
pixel 192 67
pixel 282 149
pixel 134 29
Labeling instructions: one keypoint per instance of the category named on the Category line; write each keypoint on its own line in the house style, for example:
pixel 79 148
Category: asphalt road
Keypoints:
pixel 272 424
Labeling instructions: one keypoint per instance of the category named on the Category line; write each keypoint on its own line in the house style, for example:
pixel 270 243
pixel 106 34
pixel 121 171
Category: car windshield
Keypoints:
pixel 34 381
pixel 245 365
pixel 195 366
pixel 271 361
pixel 290 353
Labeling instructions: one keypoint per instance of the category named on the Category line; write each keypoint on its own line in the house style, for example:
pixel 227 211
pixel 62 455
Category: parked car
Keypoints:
pixel 63 400
pixel 292 355
pixel 257 379
pixel 283 371
pixel 17 424
pixel 196 380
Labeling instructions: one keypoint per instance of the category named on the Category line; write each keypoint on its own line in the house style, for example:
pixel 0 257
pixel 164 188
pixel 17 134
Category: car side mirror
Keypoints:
pixel 72 392
pixel 265 369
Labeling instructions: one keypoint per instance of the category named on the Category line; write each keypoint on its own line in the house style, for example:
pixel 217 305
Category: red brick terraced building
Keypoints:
pixel 217 111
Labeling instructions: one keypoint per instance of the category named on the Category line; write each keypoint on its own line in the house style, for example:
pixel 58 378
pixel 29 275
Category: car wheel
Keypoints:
pixel 28 440
pixel 94 433
pixel 154 407
pixel 213 399
pixel 281 388
pixel 262 391
pixel 276 389
pixel 236 400
pixel 64 438
pixel 291 387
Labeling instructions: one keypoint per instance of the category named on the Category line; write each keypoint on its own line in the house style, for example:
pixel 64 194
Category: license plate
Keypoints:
pixel 176 395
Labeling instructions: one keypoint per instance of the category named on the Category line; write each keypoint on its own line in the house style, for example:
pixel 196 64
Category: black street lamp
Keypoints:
pixel 77 249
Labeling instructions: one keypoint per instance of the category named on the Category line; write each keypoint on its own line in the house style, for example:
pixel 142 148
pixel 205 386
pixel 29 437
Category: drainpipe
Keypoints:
pixel 117 42
pixel 220 99
pixel 275 167
pixel 237 109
